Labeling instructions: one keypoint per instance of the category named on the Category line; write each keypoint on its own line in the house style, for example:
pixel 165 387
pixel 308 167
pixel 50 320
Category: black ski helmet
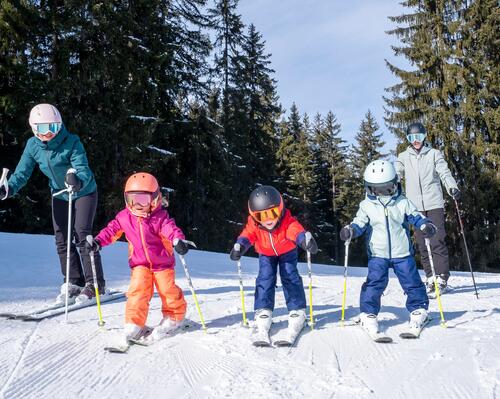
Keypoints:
pixel 264 197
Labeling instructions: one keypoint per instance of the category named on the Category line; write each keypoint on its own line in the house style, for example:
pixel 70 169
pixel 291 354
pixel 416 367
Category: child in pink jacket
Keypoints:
pixel 152 235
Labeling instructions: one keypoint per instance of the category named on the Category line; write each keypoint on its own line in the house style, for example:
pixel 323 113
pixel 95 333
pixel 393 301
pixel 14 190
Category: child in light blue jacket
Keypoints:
pixel 384 216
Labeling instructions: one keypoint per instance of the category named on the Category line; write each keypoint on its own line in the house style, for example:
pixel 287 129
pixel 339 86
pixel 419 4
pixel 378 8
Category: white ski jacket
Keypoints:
pixel 387 225
pixel 423 173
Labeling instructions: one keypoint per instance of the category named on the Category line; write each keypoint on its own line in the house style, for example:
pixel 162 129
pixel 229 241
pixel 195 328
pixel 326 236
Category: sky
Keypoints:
pixel 330 55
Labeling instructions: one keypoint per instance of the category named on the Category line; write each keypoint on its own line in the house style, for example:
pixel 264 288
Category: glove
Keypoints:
pixel 428 229
pixel 346 233
pixel 181 246
pixel 92 245
pixel 72 180
pixel 309 244
pixel 455 193
pixel 237 251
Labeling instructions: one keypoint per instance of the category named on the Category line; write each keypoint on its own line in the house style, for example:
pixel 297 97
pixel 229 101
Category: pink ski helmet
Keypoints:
pixel 45 121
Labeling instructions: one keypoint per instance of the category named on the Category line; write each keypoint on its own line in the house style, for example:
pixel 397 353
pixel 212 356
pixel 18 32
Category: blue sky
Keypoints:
pixel 329 55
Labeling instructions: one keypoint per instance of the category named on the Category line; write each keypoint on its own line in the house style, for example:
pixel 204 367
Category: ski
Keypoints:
pixel 56 311
pixel 261 339
pixel 147 338
pixel 378 337
pixel 43 309
pixel 124 346
pixel 414 332
pixel 291 337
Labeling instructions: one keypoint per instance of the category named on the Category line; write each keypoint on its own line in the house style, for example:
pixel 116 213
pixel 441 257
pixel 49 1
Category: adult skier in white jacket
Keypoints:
pixel 424 169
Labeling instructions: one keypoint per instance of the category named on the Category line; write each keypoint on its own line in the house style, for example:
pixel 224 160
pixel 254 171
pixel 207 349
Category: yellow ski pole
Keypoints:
pixel 242 294
pixel 100 323
pixel 309 271
pixel 345 281
pixel 436 286
pixel 183 261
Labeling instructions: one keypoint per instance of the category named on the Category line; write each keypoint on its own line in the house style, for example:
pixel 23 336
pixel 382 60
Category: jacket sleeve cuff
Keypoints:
pixel 244 242
pixel 357 230
pixel 300 238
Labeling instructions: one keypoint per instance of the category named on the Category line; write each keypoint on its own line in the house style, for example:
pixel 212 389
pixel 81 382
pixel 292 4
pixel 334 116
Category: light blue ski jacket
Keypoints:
pixel 387 225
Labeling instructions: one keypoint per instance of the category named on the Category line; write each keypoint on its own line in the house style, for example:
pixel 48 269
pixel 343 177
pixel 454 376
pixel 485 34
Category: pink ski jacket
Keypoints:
pixel 149 239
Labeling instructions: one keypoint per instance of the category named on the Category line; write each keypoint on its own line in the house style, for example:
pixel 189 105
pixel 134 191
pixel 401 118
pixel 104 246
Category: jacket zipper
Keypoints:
pixel 144 242
pixel 420 182
pixel 386 213
pixel 50 166
pixel 272 244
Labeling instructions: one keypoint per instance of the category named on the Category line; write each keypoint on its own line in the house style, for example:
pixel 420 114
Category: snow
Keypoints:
pixel 55 359
pixel 160 150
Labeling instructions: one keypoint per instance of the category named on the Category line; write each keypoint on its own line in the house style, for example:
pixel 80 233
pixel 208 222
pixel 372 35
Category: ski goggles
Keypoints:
pixel 267 214
pixel 47 128
pixel 382 190
pixel 143 199
pixel 420 137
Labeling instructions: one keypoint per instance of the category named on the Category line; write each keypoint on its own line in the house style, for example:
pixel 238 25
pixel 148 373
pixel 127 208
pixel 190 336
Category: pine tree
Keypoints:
pixel 333 172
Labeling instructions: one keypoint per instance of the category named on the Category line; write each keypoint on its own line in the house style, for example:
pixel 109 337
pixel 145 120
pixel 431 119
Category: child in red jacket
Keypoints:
pixel 275 233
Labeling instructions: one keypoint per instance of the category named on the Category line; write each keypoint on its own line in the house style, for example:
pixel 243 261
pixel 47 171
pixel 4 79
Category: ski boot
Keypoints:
pixel 296 322
pixel 369 323
pixel 263 321
pixel 167 326
pixel 418 319
pixel 73 291
pixel 88 292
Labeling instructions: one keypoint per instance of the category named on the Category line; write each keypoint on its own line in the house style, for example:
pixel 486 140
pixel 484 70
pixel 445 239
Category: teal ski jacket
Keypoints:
pixel 54 158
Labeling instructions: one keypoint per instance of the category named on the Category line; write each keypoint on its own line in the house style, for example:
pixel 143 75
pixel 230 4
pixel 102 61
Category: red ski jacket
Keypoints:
pixel 272 243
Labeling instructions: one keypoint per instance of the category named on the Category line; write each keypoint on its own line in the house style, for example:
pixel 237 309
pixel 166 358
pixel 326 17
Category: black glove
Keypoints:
pixel 455 193
pixel 92 245
pixel 73 181
pixel 181 246
pixel 309 244
pixel 346 233
pixel 237 251
pixel 428 229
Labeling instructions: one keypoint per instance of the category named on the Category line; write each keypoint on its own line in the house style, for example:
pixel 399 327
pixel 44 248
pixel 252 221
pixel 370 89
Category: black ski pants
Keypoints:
pixel 83 214
pixel 438 246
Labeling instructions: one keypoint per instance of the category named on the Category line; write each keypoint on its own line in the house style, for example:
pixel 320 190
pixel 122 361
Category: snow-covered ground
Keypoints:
pixel 55 359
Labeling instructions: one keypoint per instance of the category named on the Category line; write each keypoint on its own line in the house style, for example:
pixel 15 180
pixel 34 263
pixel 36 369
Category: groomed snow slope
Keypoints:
pixel 54 359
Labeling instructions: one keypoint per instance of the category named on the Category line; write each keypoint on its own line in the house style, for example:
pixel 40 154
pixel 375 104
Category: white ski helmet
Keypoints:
pixel 45 118
pixel 380 178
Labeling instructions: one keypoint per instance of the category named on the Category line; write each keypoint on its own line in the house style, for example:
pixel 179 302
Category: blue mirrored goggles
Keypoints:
pixel 46 128
pixel 420 137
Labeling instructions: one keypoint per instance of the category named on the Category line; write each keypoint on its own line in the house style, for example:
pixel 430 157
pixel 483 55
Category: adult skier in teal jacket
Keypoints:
pixel 61 157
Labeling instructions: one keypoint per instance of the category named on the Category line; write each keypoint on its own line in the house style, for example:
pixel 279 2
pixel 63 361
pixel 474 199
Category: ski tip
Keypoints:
pixel 282 344
pixel 384 340
pixel 262 344
pixel 408 336
pixel 116 349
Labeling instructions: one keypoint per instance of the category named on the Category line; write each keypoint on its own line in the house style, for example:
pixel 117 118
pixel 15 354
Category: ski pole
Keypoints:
pixel 183 261
pixel 345 281
pixel 242 294
pixel 100 323
pixel 436 286
pixel 309 272
pixel 466 248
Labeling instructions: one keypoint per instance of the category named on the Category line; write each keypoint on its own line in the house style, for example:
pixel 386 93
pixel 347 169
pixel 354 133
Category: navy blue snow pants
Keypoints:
pixel 378 277
pixel 265 284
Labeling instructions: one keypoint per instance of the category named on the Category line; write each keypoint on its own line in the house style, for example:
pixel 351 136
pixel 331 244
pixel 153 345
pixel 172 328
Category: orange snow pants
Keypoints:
pixel 141 290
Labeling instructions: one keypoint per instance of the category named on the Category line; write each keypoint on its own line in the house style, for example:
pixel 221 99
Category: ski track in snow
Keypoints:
pixel 53 359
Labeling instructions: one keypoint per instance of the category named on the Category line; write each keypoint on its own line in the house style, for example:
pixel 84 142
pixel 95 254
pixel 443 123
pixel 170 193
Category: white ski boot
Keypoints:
pixel 369 323
pixel 73 291
pixel 418 319
pixel 296 322
pixel 263 321
pixel 167 326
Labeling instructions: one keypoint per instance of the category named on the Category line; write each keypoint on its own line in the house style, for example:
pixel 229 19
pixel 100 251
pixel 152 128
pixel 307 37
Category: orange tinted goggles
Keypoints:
pixel 267 214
